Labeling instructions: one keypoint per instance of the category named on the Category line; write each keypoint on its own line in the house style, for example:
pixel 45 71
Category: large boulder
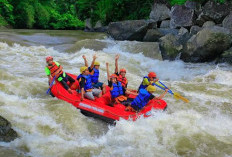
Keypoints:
pixel 227 22
pixel 181 16
pixel 183 35
pixel 213 11
pixel 170 47
pixel 88 25
pixel 165 24
pixel 130 30
pixel 165 31
pixel 208 24
pixel 159 12
pixel 152 35
pixel 207 44
pixel 194 30
pixel 7 134
pixel 225 57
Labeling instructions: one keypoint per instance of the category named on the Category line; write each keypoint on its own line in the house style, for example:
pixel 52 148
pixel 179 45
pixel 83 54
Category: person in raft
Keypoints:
pixel 94 73
pixel 54 69
pixel 122 73
pixel 148 80
pixel 86 86
pixel 116 89
pixel 145 95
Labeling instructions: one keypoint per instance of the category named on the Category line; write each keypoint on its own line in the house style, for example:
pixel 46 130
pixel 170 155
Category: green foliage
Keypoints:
pixel 6 11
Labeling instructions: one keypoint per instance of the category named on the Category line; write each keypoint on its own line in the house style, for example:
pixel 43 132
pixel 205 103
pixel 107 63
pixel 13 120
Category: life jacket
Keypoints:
pixel 123 80
pixel 53 68
pixel 95 75
pixel 88 82
pixel 145 86
pixel 141 100
pixel 116 90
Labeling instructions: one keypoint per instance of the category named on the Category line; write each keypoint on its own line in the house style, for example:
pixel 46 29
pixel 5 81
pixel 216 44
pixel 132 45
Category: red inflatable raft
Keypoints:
pixel 100 107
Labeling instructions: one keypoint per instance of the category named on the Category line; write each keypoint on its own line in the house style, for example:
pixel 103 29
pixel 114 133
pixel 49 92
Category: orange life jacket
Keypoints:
pixel 123 80
pixel 53 68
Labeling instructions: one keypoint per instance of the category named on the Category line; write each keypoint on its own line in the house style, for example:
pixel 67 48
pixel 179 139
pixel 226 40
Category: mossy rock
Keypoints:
pixel 7 134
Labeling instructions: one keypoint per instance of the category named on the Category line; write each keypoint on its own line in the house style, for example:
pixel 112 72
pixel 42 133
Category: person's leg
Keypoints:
pixel 65 85
pixel 89 95
pixel 70 79
pixel 97 92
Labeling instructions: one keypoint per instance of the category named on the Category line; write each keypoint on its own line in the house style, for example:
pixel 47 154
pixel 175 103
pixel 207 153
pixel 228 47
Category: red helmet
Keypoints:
pixel 49 58
pixel 113 76
pixel 152 74
pixel 123 70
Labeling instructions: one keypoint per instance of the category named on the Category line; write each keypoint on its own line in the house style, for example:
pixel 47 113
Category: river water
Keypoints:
pixel 50 127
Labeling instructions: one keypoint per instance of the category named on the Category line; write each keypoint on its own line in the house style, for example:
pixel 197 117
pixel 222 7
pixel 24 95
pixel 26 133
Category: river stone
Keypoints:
pixel 7 134
pixel 130 30
pixel 208 24
pixel 227 22
pixel 213 11
pixel 165 31
pixel 183 35
pixel 152 35
pixel 207 44
pixel 225 57
pixel 159 12
pixel 194 30
pixel 88 25
pixel 181 16
pixel 170 47
pixel 165 24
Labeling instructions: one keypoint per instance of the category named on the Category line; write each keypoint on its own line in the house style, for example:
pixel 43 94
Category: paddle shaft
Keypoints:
pixel 53 80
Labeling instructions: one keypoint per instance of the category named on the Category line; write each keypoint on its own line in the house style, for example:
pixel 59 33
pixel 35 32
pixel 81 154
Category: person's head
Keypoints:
pixel 122 72
pixel 152 76
pixel 96 65
pixel 49 60
pixel 113 78
pixel 84 70
pixel 151 89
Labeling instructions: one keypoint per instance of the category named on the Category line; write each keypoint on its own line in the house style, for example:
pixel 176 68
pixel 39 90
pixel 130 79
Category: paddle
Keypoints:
pixel 53 80
pixel 176 95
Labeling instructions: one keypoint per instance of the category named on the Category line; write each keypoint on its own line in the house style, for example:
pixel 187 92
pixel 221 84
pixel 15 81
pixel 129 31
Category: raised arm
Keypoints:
pixel 86 62
pixel 94 58
pixel 107 70
pixel 116 63
pixel 162 95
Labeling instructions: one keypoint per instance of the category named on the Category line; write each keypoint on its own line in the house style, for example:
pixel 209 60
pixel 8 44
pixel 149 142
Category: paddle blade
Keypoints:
pixel 178 96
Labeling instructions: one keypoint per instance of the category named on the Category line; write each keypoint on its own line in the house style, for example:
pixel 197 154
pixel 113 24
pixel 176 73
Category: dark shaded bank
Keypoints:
pixel 192 32
pixel 7 134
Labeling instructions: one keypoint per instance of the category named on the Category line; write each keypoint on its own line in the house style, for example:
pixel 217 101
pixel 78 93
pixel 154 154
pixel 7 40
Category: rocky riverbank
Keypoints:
pixel 7 134
pixel 191 32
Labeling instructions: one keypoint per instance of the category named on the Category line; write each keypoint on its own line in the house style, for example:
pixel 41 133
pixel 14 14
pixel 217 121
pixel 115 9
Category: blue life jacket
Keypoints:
pixel 88 83
pixel 141 100
pixel 117 90
pixel 95 76
pixel 145 86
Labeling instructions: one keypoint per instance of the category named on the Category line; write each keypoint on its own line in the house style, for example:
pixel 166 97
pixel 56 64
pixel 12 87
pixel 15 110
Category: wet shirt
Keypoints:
pixel 82 81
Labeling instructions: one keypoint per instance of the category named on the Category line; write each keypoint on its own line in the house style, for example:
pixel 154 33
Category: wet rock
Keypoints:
pixel 170 47
pixel 208 24
pixel 225 57
pixel 213 11
pixel 165 31
pixel 7 134
pixel 88 25
pixel 181 16
pixel 194 30
pixel 159 12
pixel 192 5
pixel 207 44
pixel 227 22
pixel 152 35
pixel 165 24
pixel 130 30
pixel 183 36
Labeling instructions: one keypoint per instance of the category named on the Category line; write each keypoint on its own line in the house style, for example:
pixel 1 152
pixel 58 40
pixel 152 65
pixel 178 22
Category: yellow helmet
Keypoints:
pixel 151 89
pixel 96 63
pixel 82 69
